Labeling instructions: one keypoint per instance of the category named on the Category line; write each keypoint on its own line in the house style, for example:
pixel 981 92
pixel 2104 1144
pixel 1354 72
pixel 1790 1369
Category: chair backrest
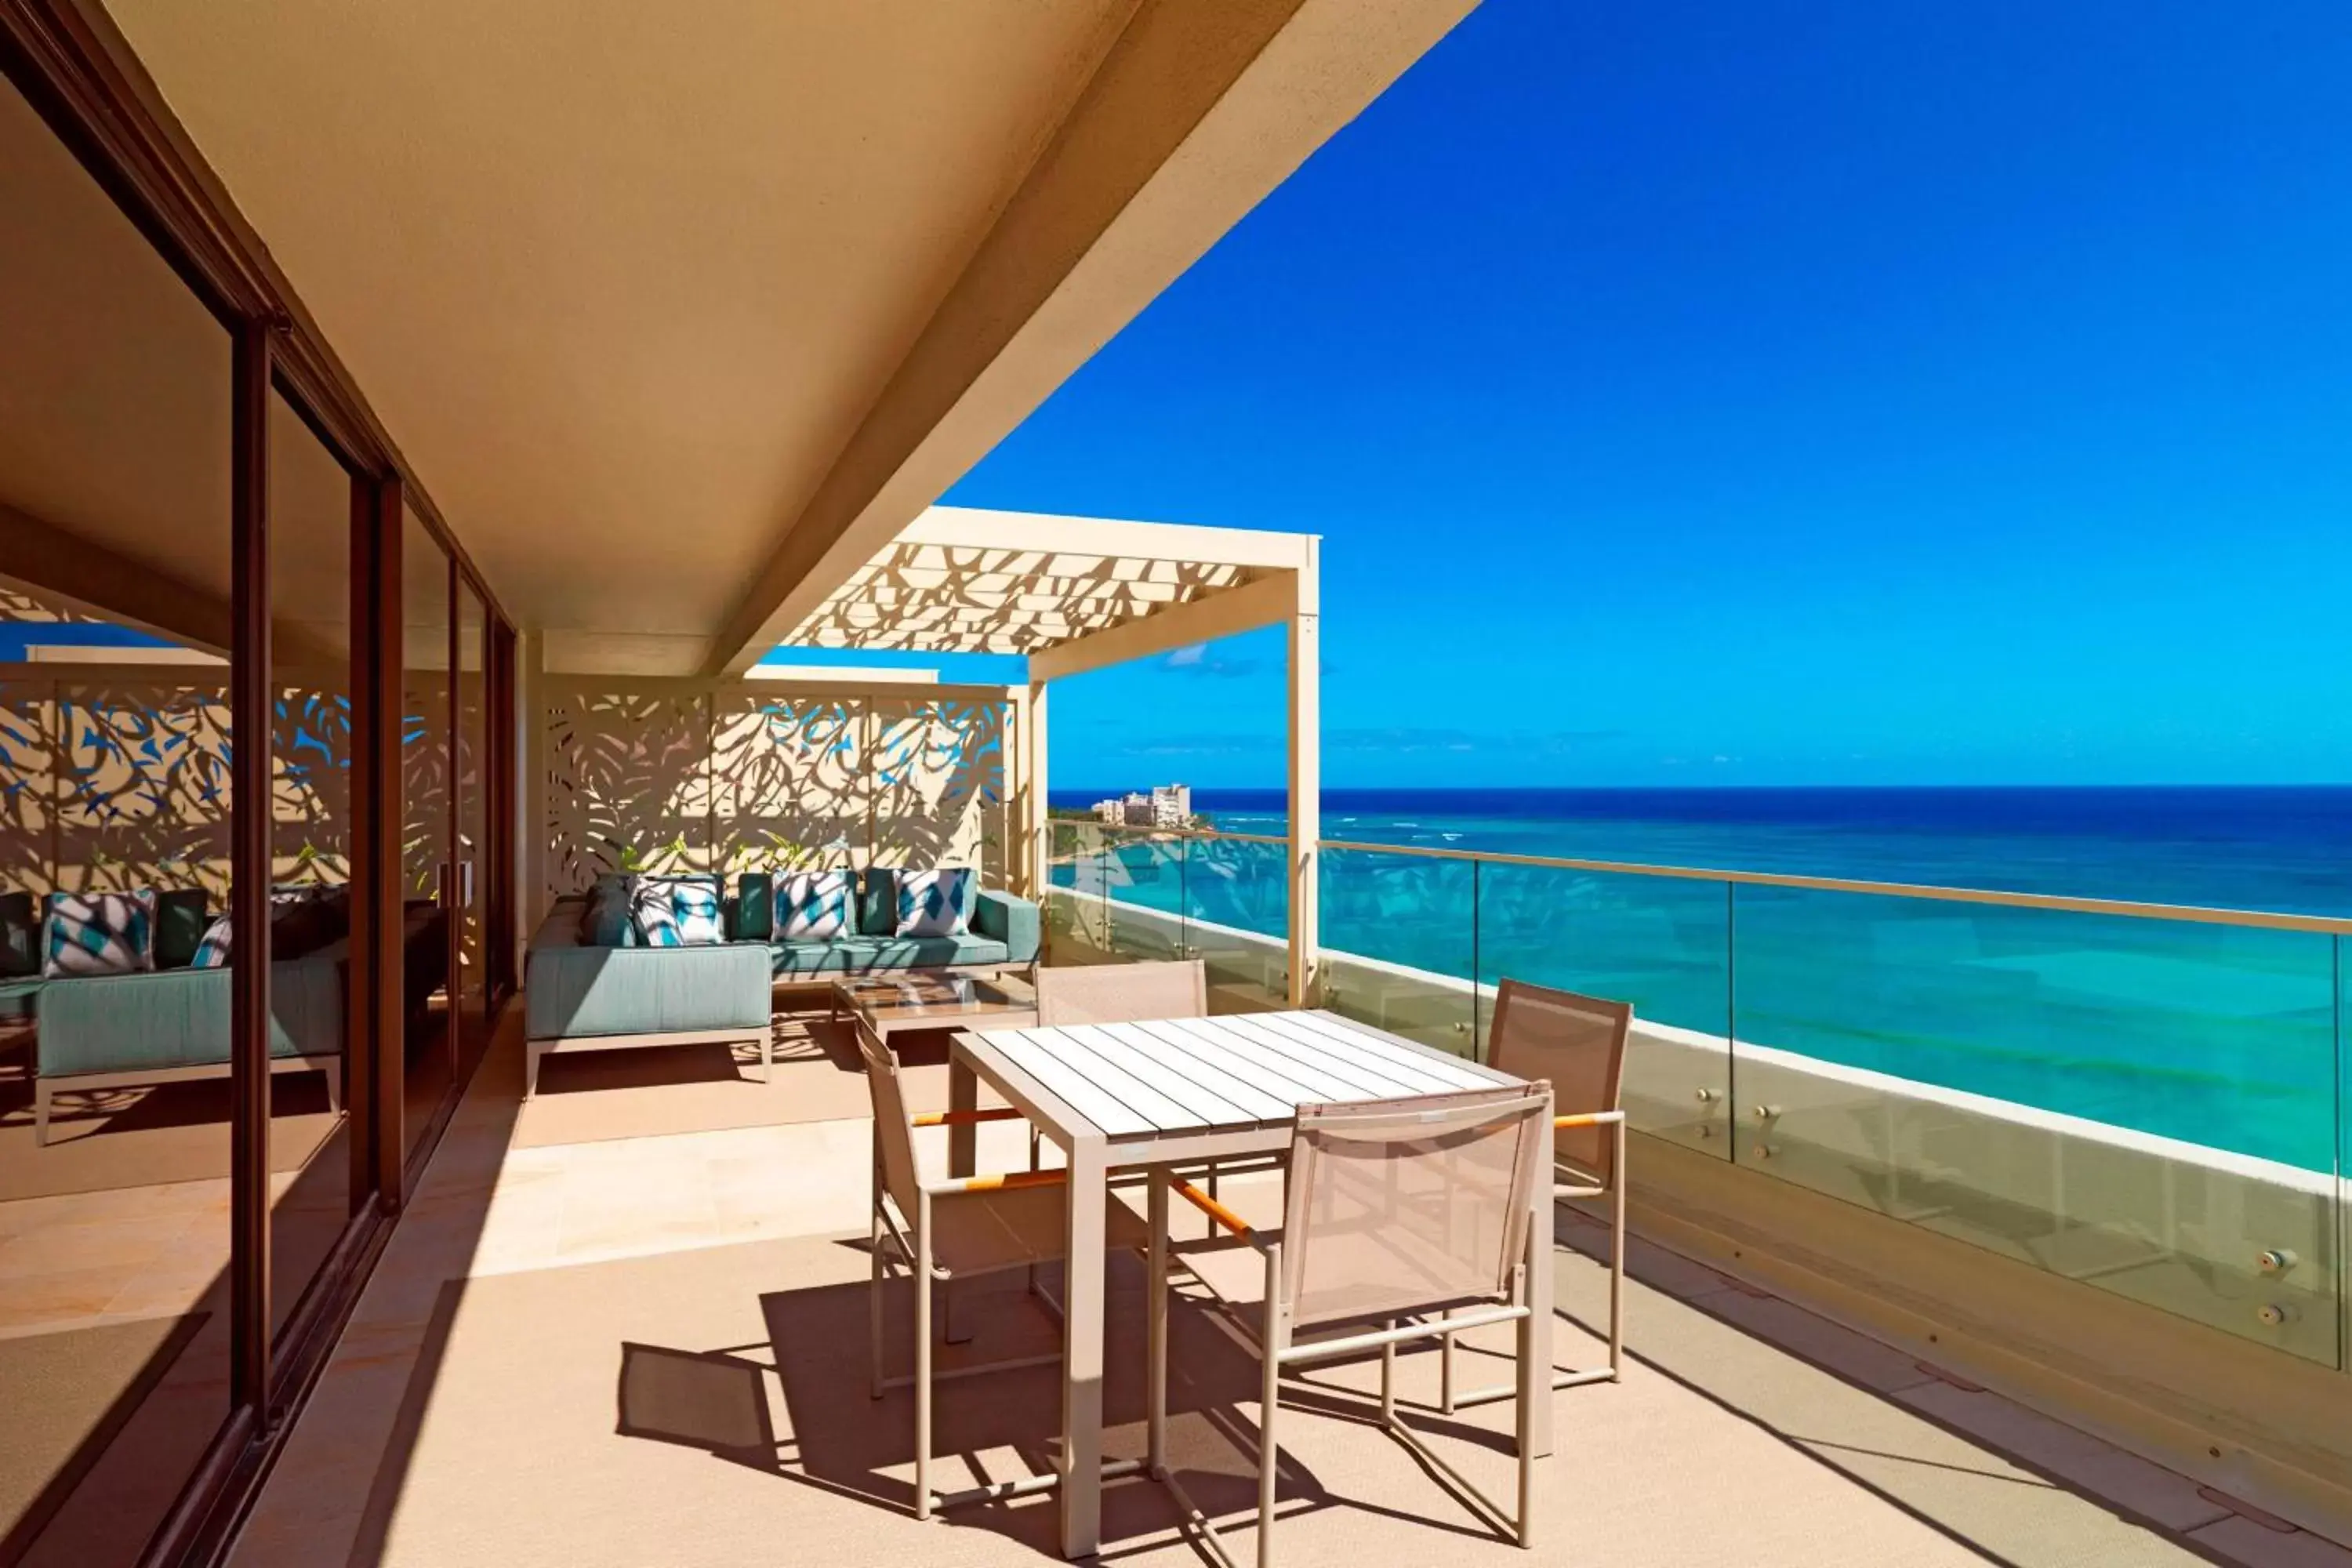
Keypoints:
pixel 1122 992
pixel 893 1128
pixel 1578 1044
pixel 1406 1206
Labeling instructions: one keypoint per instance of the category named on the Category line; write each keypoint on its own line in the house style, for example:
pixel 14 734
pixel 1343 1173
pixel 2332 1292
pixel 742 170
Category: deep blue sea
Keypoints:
pixel 2218 1034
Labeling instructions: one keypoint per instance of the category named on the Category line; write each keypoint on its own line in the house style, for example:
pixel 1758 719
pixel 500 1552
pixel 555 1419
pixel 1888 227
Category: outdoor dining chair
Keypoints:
pixel 1124 994
pixel 1578 1044
pixel 945 1231
pixel 1396 1210
pixel 1121 993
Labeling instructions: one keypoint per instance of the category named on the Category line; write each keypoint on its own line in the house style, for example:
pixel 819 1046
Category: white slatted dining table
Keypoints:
pixel 1122 1096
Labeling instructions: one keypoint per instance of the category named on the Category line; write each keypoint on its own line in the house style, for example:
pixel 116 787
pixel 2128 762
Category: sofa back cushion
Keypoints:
pixel 877 901
pixel 936 902
pixel 100 933
pixel 814 906
pixel 607 921
pixel 755 908
pixel 20 937
pixel 182 915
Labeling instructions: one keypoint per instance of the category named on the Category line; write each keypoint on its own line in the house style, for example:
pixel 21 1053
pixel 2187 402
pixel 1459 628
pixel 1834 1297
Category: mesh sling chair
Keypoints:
pixel 1121 993
pixel 1395 1210
pixel 961 1229
pixel 1578 1044
pixel 1124 994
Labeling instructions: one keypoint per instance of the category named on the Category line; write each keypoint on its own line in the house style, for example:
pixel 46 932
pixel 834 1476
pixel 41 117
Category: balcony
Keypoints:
pixel 617 1326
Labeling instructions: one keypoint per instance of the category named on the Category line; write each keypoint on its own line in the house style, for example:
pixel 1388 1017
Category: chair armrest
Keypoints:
pixel 1218 1212
pixel 1053 1178
pixel 965 1118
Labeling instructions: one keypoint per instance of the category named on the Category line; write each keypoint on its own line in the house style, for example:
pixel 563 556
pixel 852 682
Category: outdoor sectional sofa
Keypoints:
pixel 167 1025
pixel 580 996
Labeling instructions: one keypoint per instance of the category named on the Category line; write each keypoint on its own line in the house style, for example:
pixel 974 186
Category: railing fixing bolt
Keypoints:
pixel 2276 1260
pixel 2272 1315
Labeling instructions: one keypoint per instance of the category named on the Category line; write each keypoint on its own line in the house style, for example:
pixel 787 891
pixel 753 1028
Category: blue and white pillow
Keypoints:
pixel 100 933
pixel 935 903
pixel 653 912
pixel 812 906
pixel 213 951
pixel 700 921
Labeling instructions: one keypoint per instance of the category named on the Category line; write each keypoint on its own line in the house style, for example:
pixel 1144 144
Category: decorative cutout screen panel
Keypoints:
pixel 116 780
pixel 737 777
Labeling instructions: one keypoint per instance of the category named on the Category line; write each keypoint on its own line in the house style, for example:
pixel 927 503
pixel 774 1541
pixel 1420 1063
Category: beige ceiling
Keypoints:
pixel 621 278
pixel 681 313
pixel 114 420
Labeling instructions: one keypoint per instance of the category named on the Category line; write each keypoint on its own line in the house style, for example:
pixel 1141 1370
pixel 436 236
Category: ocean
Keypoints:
pixel 2217 1035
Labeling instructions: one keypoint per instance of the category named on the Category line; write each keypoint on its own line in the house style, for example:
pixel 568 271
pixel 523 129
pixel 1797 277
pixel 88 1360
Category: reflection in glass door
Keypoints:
pixel 469 882
pixel 428 1042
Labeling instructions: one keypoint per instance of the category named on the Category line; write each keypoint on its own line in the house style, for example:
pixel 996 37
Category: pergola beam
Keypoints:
pixel 1268 601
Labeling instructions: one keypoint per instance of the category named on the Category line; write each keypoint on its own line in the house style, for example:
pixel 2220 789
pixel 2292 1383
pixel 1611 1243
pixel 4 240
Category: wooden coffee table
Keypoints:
pixel 885 1005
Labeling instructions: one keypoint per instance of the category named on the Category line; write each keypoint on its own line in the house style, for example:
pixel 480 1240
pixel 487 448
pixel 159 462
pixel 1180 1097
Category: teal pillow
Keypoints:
pixel 182 917
pixel 755 907
pixel 877 905
pixel 20 936
pixel 608 922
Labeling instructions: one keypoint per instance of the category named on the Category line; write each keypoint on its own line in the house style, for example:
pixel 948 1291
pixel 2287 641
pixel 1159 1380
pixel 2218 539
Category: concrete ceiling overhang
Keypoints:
pixel 684 316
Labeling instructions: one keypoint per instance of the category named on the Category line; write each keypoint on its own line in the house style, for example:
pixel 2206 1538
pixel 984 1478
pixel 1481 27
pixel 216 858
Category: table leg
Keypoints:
pixel 1082 1349
pixel 963 1137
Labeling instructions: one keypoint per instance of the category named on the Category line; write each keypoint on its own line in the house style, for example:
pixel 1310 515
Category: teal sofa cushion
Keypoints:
pixel 18 995
pixel 755 907
pixel 877 903
pixel 1013 921
pixel 884 954
pixel 180 1017
pixel 20 936
pixel 182 915
pixel 571 991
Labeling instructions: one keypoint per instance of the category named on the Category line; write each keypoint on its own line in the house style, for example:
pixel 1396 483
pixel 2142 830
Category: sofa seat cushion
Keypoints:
pixel 886 954
pixel 573 992
pixel 20 995
pixel 180 1017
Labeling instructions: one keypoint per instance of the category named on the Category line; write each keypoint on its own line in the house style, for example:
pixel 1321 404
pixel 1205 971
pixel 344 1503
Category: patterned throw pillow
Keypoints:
pixel 700 921
pixel 935 903
pixel 213 951
pixel 100 933
pixel 655 914
pixel 812 906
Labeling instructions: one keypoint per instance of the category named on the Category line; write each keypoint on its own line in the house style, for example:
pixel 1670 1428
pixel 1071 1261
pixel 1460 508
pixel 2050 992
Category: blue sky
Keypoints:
pixel 1769 393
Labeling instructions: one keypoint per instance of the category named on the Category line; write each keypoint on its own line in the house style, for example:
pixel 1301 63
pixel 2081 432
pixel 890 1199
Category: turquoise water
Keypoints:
pixel 2222 1036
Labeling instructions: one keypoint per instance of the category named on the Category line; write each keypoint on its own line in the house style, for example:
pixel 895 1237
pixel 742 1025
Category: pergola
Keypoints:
pixel 1077 593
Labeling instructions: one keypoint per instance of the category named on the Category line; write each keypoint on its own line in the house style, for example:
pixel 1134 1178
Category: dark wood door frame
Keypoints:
pixel 252 702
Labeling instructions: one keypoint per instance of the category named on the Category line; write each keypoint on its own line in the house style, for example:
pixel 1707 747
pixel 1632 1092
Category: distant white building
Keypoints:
pixel 1172 806
pixel 1168 805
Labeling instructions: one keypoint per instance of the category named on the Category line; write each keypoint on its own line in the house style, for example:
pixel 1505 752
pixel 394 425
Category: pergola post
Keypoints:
pixel 1036 830
pixel 1305 775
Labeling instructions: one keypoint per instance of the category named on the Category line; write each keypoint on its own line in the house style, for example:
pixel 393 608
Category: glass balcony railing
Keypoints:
pixel 2150 1100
